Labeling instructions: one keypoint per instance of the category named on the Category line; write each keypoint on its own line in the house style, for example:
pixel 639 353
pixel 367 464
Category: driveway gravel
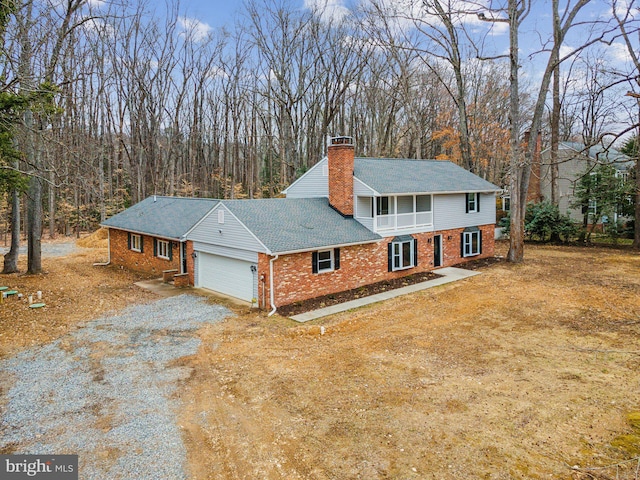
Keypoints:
pixel 57 249
pixel 108 392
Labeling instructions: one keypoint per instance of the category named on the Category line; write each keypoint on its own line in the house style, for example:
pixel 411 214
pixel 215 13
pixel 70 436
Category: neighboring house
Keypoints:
pixel 345 223
pixel 574 160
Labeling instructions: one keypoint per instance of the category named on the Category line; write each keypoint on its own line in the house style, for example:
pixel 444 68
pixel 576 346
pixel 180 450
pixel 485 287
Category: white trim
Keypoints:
pixel 146 234
pixel 327 247
pixel 475 202
pixel 139 238
pixel 331 267
pixel 272 294
pixel 438 192
pixel 168 248
pixel 412 259
pixel 469 242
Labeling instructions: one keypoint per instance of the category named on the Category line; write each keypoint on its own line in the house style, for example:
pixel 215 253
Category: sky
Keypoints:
pixel 204 17
pixel 209 15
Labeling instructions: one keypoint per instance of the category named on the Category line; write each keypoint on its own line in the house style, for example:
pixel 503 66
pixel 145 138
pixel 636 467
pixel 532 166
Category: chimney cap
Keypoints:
pixel 343 140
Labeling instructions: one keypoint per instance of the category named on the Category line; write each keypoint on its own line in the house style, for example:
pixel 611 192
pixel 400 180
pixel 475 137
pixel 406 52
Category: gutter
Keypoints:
pixel 271 289
pixel 148 234
pixel 108 251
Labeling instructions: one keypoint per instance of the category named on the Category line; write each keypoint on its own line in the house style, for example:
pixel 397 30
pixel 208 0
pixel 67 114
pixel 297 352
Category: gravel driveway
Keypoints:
pixel 59 249
pixel 107 391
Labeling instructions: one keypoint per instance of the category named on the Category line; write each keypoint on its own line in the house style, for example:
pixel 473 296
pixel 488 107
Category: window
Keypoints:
pixel 623 176
pixel 506 203
pixel 135 242
pixel 403 253
pixel 423 203
pixel 473 202
pixel 163 249
pixel 471 242
pixel 325 261
pixel 405 204
pixel 364 207
pixel 382 206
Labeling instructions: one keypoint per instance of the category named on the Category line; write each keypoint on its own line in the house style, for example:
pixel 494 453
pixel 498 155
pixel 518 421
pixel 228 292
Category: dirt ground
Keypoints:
pixel 525 371
pixel 73 290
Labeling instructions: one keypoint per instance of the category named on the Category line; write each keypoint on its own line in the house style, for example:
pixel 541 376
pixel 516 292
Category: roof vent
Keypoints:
pixel 340 141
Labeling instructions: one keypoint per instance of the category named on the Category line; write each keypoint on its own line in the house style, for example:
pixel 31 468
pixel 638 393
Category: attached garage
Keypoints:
pixel 231 276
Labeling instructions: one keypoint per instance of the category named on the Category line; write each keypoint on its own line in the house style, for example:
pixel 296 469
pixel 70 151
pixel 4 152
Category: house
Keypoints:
pixel 574 161
pixel 347 222
pixel 149 236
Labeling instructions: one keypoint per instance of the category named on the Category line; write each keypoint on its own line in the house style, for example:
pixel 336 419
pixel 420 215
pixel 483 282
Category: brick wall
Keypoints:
pixel 340 161
pixel 143 261
pixel 190 263
pixel 359 265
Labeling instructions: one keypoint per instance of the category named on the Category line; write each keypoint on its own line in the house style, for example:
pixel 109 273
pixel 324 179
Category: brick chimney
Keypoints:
pixel 340 153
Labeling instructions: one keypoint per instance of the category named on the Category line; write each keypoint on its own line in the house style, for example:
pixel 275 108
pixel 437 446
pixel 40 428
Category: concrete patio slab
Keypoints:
pixel 448 275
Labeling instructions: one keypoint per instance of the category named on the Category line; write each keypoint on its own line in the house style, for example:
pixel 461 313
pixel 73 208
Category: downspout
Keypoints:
pixel 271 288
pixel 108 251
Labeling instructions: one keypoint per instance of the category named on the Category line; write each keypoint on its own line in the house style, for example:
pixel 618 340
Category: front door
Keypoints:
pixel 183 256
pixel 437 251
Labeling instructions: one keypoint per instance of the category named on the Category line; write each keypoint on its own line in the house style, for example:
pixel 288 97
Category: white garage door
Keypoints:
pixel 226 275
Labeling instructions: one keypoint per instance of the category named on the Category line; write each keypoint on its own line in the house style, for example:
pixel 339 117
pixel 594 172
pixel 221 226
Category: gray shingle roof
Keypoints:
pixel 388 175
pixel 292 224
pixel 167 217
pixel 598 151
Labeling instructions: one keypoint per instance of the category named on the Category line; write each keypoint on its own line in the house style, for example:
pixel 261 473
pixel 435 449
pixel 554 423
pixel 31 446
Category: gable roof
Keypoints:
pixel 390 175
pixel 298 224
pixel 610 155
pixel 166 217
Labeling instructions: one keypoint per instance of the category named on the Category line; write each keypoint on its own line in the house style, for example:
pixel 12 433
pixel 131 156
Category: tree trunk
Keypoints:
pixel 11 258
pixel 555 137
pixel 516 234
pixel 34 220
pixel 636 233
pixel 52 204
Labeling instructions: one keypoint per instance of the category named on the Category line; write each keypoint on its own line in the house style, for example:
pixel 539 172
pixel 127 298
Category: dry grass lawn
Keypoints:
pixel 526 371
pixel 73 290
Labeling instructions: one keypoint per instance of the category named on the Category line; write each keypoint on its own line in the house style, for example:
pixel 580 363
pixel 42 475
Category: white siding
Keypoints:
pixel 312 184
pixel 362 190
pixel 230 234
pixel 246 255
pixel 449 211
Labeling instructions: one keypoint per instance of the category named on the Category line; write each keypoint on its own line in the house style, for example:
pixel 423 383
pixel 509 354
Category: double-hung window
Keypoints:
pixel 403 253
pixel 324 261
pixel 135 242
pixel 471 242
pixel 163 249
pixel 473 202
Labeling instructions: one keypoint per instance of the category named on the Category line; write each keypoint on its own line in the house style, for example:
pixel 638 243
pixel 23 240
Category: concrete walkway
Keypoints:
pixel 449 274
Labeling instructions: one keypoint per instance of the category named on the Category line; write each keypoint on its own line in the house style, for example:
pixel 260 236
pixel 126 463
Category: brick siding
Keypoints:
pixel 340 160
pixel 144 261
pixel 359 265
